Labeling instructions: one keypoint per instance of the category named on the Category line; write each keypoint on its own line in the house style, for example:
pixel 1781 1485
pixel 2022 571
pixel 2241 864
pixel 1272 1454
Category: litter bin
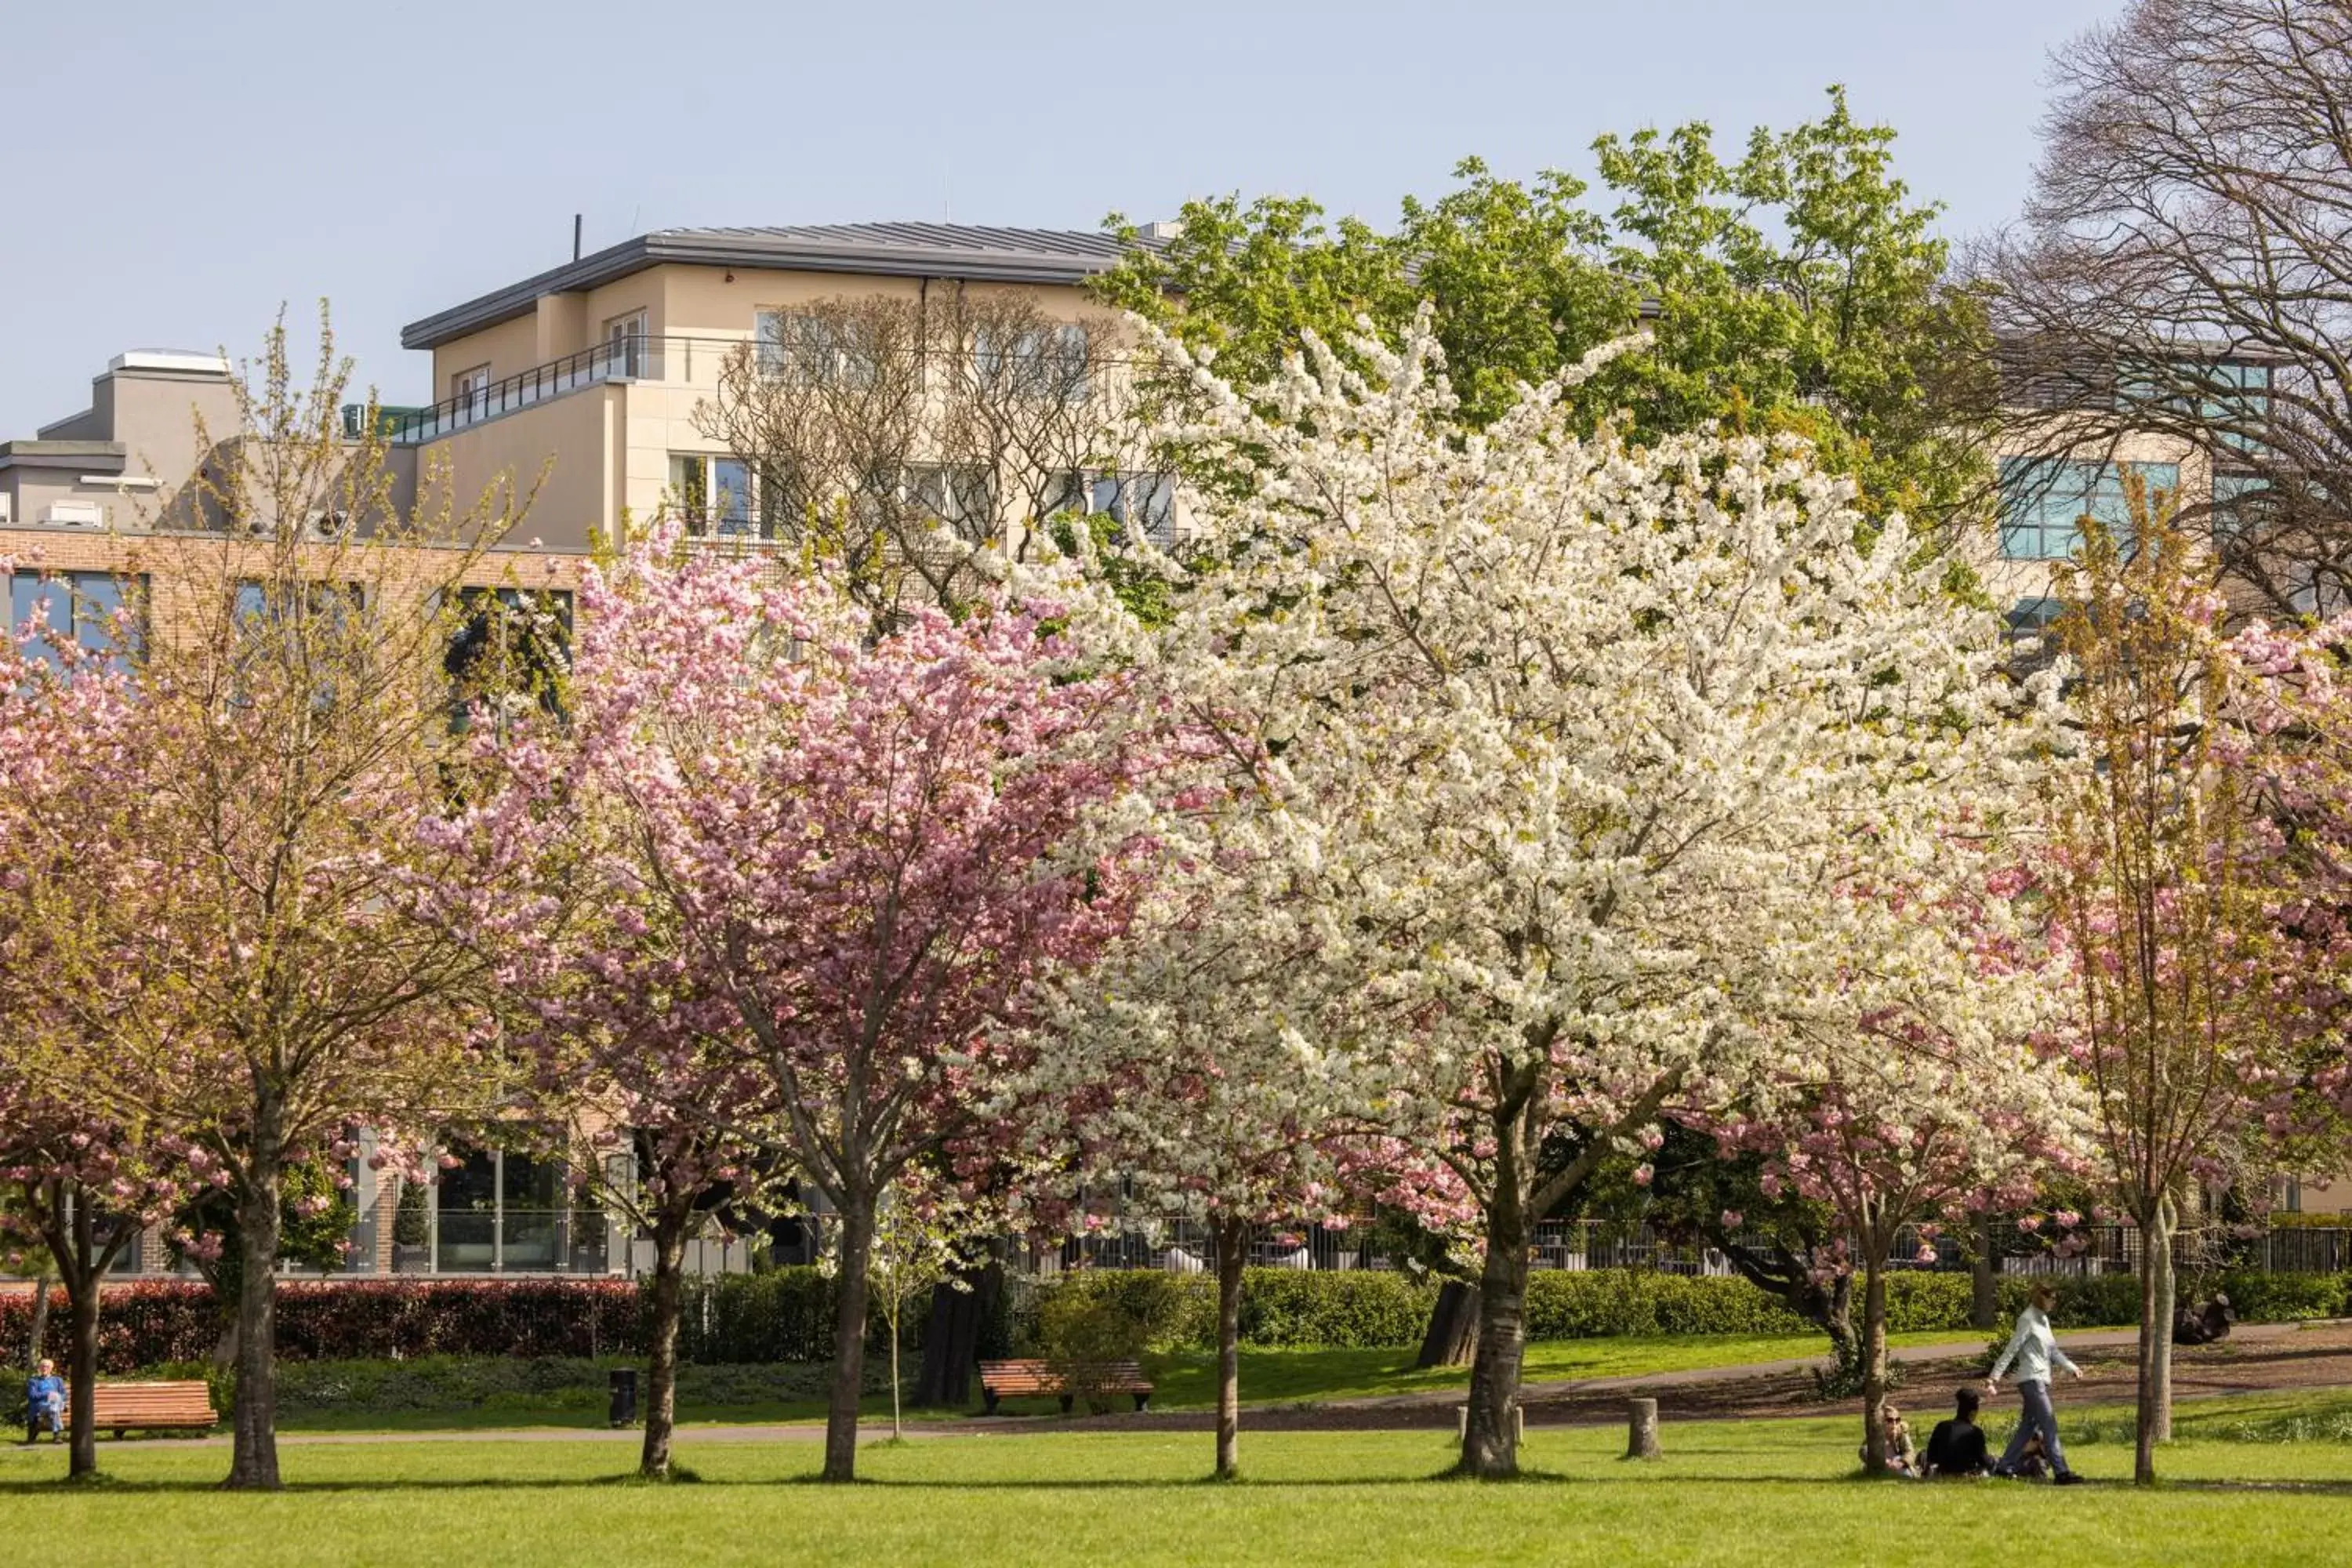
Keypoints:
pixel 623 1411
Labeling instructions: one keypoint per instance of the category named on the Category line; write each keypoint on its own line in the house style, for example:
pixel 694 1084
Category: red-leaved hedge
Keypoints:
pixel 150 1321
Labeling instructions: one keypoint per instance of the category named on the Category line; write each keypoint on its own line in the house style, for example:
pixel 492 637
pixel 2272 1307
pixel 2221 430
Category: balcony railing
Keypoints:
pixel 637 358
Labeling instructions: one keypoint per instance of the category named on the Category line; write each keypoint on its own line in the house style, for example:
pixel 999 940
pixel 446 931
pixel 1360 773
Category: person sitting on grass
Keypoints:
pixel 2205 1323
pixel 1955 1448
pixel 45 1403
pixel 1902 1453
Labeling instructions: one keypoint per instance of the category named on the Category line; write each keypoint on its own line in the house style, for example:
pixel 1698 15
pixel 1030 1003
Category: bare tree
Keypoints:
pixel 2184 269
pixel 890 441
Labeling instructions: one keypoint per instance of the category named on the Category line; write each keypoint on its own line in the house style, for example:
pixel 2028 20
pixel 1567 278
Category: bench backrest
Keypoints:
pixel 129 1402
pixel 1014 1376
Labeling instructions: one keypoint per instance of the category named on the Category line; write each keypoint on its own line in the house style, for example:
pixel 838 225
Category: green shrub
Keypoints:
pixel 2085 1301
pixel 2280 1297
pixel 1162 1312
pixel 1347 1311
pixel 1082 1333
pixel 1598 1303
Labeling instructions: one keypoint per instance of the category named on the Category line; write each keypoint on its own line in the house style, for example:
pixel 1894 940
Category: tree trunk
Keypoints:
pixel 253 1464
pixel 856 1220
pixel 1984 1277
pixel 661 1370
pixel 2166 1302
pixel 81 1368
pixel 1233 1238
pixel 1874 1362
pixel 1836 1320
pixel 70 1229
pixel 38 1333
pixel 2152 1333
pixel 951 1336
pixel 1490 1443
pixel 1452 1333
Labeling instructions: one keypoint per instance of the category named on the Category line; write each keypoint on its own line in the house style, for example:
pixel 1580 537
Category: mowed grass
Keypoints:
pixel 1315 1376
pixel 450 1393
pixel 1759 1492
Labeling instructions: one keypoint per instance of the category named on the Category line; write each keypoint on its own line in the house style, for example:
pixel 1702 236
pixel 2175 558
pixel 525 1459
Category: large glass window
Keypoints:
pixel 85 608
pixel 716 496
pixel 1143 505
pixel 2044 502
pixel 505 1211
pixel 1049 362
pixel 961 496
pixel 793 346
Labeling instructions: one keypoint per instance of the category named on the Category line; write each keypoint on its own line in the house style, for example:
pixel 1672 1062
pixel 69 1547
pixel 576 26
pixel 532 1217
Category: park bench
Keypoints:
pixel 1029 1379
pixel 122 1407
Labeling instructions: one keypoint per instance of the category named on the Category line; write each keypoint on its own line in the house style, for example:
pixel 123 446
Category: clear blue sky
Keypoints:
pixel 178 171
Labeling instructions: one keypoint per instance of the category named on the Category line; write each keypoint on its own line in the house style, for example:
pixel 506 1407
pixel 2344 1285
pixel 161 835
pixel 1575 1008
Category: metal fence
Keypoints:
pixel 1185 1247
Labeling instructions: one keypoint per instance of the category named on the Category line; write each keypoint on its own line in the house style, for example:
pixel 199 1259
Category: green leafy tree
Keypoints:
pixel 1797 287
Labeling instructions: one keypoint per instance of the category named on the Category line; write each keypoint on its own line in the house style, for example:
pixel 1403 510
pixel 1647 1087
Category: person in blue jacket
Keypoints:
pixel 45 1403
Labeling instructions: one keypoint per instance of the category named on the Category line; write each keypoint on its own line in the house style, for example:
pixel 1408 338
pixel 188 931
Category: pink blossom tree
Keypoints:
pixel 84 1183
pixel 2199 887
pixel 263 978
pixel 872 850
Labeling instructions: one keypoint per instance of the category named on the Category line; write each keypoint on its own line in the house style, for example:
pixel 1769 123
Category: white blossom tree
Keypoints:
pixel 1556 736
pixel 1182 1071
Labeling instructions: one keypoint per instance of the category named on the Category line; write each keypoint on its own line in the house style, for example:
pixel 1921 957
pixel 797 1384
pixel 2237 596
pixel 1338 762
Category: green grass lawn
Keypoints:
pixel 1763 1492
pixel 1308 1376
pixel 446 1393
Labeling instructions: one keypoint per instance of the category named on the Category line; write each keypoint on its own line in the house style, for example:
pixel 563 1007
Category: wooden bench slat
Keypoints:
pixel 145 1407
pixel 1018 1379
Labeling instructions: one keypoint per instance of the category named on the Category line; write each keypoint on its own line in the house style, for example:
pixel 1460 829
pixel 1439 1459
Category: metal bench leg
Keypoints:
pixel 1065 1403
pixel 988 1401
pixel 1143 1402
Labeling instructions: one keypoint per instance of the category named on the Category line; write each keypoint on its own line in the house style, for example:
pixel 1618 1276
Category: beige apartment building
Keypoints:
pixel 585 380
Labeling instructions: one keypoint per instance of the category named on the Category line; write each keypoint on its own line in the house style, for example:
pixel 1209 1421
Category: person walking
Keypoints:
pixel 2034 1351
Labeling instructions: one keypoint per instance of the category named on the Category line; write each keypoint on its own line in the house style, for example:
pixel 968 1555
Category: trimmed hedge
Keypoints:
pixel 1280 1307
pixel 151 1322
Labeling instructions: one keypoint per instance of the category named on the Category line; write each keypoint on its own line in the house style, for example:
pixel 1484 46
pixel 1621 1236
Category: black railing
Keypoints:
pixel 633 358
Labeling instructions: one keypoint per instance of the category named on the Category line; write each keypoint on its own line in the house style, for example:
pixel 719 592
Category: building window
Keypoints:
pixel 2240 501
pixel 2245 400
pixel 1148 501
pixel 500 1211
pixel 961 496
pixel 470 389
pixel 795 346
pixel 1048 364
pixel 2043 502
pixel 624 344
pixel 97 610
pixel 716 496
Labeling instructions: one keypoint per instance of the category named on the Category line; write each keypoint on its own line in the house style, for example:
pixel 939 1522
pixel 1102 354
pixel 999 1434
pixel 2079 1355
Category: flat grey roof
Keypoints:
pixel 887 249
pixel 105 455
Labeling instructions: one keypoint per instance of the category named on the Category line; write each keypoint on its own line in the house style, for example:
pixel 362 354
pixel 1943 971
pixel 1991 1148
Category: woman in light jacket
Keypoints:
pixel 2035 1352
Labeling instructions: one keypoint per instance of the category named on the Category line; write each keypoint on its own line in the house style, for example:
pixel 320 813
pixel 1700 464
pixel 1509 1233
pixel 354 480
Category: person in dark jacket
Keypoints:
pixel 1956 1446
